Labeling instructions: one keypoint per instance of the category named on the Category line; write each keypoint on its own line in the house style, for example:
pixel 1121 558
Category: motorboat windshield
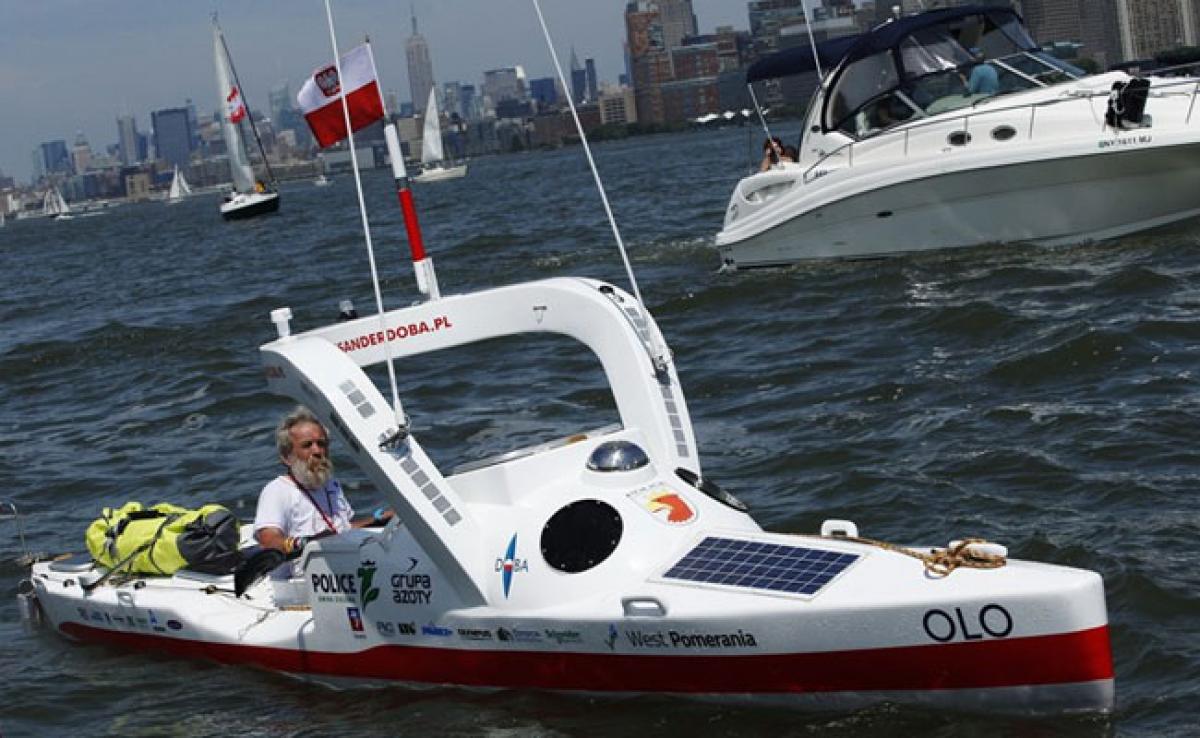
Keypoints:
pixel 935 63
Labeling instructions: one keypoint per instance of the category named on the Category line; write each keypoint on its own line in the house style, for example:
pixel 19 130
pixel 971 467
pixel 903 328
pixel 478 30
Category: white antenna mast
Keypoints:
pixel 659 350
pixel 812 41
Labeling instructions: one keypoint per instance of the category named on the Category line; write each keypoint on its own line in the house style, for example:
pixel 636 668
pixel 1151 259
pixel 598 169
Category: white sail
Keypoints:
pixel 431 136
pixel 54 204
pixel 239 162
pixel 179 187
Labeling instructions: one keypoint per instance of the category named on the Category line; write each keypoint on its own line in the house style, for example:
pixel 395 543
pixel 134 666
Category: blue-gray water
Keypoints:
pixel 1044 398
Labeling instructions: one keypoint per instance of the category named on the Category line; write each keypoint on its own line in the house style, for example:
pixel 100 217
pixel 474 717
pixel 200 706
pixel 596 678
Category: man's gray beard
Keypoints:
pixel 312 478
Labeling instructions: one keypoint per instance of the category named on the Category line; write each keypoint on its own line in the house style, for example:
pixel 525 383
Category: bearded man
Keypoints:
pixel 306 500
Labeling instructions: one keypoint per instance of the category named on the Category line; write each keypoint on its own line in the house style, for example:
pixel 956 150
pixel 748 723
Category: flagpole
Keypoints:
pixel 422 263
pixel 401 419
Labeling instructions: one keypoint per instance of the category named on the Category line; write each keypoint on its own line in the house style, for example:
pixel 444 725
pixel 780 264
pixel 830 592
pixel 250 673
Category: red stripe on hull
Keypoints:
pixel 1065 658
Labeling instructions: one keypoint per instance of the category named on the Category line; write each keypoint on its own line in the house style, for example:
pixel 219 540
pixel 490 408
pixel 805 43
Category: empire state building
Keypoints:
pixel 420 68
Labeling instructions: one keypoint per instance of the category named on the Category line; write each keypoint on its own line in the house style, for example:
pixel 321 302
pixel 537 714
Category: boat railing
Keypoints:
pixel 906 131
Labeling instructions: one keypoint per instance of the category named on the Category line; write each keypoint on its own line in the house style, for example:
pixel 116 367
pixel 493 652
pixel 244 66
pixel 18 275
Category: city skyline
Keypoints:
pixel 95 63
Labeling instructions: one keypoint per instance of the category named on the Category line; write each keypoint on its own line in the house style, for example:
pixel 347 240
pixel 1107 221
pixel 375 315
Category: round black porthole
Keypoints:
pixel 581 535
pixel 1003 133
pixel 959 138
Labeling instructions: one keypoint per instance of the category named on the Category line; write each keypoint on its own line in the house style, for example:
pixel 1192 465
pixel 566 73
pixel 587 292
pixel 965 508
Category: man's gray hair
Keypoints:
pixel 283 432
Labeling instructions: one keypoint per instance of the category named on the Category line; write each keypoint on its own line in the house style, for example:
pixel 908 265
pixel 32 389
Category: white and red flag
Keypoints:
pixel 320 98
pixel 235 109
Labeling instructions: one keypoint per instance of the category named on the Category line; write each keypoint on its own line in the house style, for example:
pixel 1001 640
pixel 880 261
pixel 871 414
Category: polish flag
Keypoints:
pixel 320 98
pixel 234 107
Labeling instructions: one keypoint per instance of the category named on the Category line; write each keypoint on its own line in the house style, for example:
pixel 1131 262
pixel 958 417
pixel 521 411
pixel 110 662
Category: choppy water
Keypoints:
pixel 1047 399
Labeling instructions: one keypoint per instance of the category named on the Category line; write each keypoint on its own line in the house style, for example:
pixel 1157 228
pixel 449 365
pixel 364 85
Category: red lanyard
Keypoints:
pixel 328 498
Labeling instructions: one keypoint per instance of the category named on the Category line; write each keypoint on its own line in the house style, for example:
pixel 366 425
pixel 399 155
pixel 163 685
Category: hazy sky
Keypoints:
pixel 75 65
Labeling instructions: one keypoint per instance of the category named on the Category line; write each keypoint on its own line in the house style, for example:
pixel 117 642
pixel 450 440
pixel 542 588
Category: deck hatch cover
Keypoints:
pixel 771 567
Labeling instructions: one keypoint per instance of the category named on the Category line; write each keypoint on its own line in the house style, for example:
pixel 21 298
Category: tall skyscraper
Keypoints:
pixel 51 157
pixel 420 67
pixel 127 139
pixel 578 79
pixel 506 83
pixel 280 101
pixel 470 103
pixel 81 153
pixel 649 60
pixel 172 135
pixel 544 91
pixel 678 21
pixel 589 66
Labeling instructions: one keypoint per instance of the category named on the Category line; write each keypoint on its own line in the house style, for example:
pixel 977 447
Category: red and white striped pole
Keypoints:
pixel 422 263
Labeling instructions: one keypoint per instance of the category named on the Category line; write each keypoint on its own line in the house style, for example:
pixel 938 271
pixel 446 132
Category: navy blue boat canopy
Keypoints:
pixel 799 59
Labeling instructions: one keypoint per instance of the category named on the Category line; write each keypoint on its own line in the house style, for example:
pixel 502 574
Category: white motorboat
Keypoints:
pixel 250 196
pixel 898 154
pixel 434 165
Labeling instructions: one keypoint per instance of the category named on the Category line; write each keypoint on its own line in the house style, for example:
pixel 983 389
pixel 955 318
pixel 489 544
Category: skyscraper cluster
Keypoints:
pixel 672 74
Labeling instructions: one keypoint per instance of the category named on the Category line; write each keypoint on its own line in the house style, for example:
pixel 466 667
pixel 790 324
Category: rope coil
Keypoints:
pixel 942 561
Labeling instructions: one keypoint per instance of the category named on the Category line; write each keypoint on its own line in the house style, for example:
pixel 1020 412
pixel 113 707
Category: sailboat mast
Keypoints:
pixel 245 101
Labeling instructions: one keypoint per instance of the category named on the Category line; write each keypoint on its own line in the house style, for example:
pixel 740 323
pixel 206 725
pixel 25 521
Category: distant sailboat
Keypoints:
pixel 179 188
pixel 251 196
pixel 434 167
pixel 54 206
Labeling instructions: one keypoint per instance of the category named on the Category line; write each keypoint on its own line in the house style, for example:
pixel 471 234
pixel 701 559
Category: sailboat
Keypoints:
pixel 251 196
pixel 434 167
pixel 54 206
pixel 179 188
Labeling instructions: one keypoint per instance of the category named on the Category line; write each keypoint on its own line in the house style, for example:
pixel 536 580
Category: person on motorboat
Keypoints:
pixel 983 80
pixel 772 150
pixel 305 501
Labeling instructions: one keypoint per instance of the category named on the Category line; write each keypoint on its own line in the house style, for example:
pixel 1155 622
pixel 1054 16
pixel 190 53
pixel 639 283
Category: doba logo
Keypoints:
pixel 367 593
pixel 510 565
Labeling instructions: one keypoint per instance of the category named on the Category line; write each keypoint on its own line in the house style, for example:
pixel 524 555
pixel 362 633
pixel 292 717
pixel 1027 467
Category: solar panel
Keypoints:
pixel 772 567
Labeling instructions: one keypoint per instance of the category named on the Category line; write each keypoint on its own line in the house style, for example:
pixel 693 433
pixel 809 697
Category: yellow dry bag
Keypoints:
pixel 164 538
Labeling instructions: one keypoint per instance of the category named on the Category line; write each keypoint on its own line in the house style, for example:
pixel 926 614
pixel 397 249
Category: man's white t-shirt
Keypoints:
pixel 284 506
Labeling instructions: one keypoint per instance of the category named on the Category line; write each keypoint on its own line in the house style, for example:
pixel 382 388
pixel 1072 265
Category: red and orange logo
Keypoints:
pixel 665 505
